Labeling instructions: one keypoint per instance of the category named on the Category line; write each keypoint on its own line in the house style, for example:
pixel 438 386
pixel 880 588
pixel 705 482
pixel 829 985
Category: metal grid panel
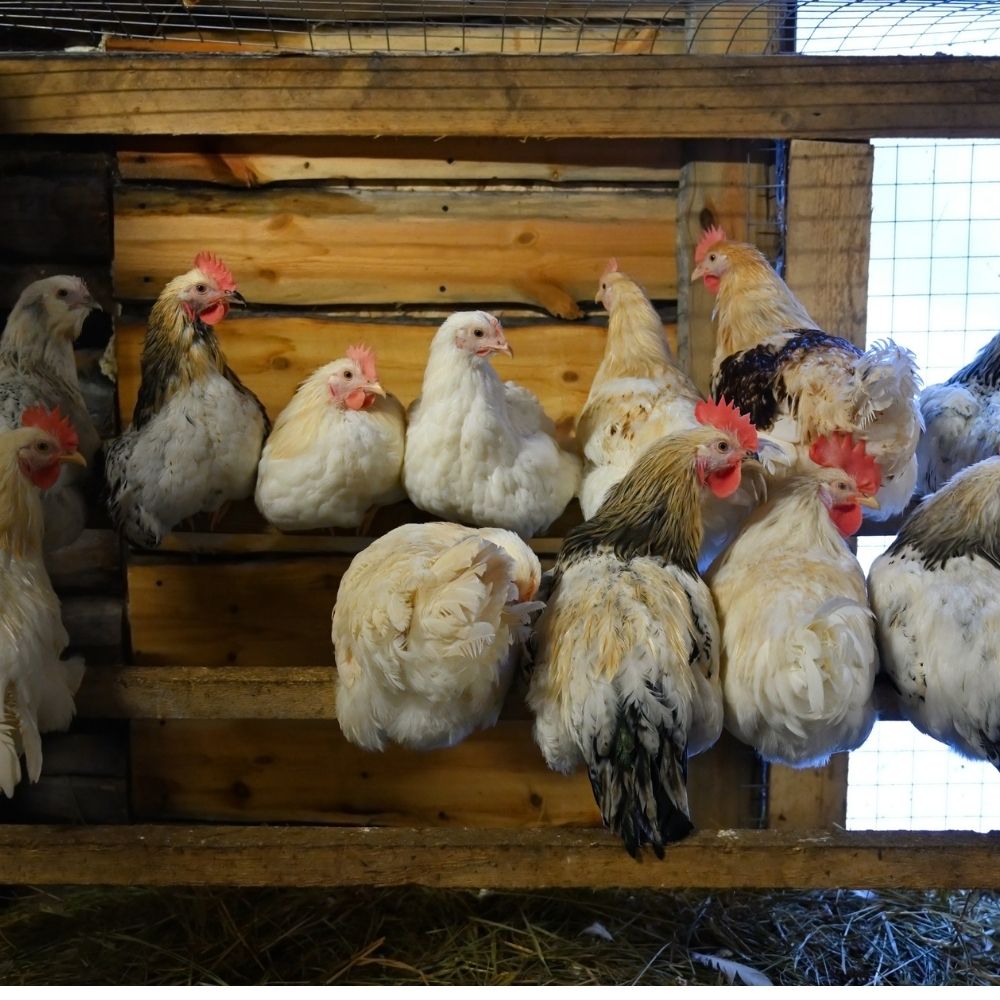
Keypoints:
pixel 512 26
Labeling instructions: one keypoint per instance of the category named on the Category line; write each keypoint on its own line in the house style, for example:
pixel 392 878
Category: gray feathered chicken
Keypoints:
pixel 197 431
pixel 38 368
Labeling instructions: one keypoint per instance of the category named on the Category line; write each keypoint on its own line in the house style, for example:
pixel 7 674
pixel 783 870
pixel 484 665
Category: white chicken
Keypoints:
pixel 798 644
pixel 479 450
pixel 38 368
pixel 626 664
pixel 427 630
pixel 36 685
pixel 336 451
pixel 961 420
pixel 936 595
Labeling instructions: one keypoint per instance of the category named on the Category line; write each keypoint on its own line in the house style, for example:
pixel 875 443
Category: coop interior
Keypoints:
pixel 366 169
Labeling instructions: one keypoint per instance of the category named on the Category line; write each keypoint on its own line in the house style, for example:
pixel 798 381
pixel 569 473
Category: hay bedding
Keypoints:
pixel 267 936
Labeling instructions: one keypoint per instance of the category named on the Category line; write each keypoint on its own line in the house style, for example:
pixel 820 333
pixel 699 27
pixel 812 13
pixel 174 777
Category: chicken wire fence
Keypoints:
pixel 934 286
pixel 509 26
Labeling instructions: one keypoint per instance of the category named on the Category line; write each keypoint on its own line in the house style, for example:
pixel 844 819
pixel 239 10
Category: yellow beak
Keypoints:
pixel 73 456
pixel 698 272
pixel 376 388
pixel 871 502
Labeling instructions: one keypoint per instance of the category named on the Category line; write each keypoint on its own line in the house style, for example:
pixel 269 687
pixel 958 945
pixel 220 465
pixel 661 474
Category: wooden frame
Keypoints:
pixel 535 95
pixel 621 96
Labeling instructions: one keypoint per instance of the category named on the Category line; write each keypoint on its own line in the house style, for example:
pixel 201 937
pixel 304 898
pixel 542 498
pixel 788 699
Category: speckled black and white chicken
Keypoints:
pixel 197 431
pixel 936 596
pixel 38 368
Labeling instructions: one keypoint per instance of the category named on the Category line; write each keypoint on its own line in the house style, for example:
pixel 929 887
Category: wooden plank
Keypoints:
pixel 459 36
pixel 812 798
pixel 499 859
pixel 335 246
pixel 715 190
pixel 829 217
pixel 251 161
pixel 273 354
pixel 274 611
pixel 93 620
pixel 538 95
pixel 268 771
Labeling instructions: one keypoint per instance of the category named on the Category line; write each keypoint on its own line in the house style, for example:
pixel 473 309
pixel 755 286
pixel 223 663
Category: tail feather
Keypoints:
pixel 10 759
pixel 639 780
pixel 886 374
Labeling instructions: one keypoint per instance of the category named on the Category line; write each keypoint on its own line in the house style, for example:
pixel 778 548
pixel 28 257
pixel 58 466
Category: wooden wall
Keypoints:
pixel 335 242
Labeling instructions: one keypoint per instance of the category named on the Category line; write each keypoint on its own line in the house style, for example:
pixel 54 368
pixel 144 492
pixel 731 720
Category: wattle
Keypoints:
pixel 712 283
pixel 357 399
pixel 725 482
pixel 847 518
pixel 215 313
pixel 45 477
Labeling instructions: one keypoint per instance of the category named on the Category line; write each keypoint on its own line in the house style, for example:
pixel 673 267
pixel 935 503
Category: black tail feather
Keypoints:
pixel 640 783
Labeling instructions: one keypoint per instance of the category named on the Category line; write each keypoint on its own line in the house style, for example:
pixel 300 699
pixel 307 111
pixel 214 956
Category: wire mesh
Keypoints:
pixel 508 26
pixel 934 286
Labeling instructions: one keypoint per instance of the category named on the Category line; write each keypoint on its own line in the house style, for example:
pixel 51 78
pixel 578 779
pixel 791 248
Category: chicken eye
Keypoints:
pixel 201 289
pixel 348 375
pixel 722 447
pixel 62 293
pixel 42 446
pixel 478 333
pixel 711 256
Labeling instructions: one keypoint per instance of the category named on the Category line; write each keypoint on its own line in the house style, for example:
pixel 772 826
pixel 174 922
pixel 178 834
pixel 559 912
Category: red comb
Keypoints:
pixel 212 267
pixel 365 357
pixel 54 423
pixel 727 417
pixel 611 267
pixel 708 240
pixel 839 451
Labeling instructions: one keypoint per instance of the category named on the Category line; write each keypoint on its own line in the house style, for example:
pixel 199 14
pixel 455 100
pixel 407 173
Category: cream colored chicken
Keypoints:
pixel 638 396
pixel 336 451
pixel 798 646
pixel 479 450
pixel 36 685
pixel 427 630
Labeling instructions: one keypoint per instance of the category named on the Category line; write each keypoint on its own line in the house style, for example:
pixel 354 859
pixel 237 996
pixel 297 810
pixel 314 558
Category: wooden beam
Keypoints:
pixel 529 95
pixel 500 859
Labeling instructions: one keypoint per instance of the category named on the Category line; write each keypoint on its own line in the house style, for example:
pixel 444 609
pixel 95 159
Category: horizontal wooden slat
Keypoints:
pixel 275 612
pixel 245 692
pixel 252 161
pixel 538 95
pixel 335 246
pixel 273 354
pixel 503 859
pixel 305 771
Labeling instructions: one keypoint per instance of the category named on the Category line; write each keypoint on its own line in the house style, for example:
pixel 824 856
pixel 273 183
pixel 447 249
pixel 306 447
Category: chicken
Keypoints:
pixel 479 450
pixel 936 595
pixel 336 451
pixel 197 431
pixel 798 640
pixel 626 652
pixel 962 418
pixel 36 685
pixel 638 396
pixel 38 368
pixel 427 630
pixel 799 383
